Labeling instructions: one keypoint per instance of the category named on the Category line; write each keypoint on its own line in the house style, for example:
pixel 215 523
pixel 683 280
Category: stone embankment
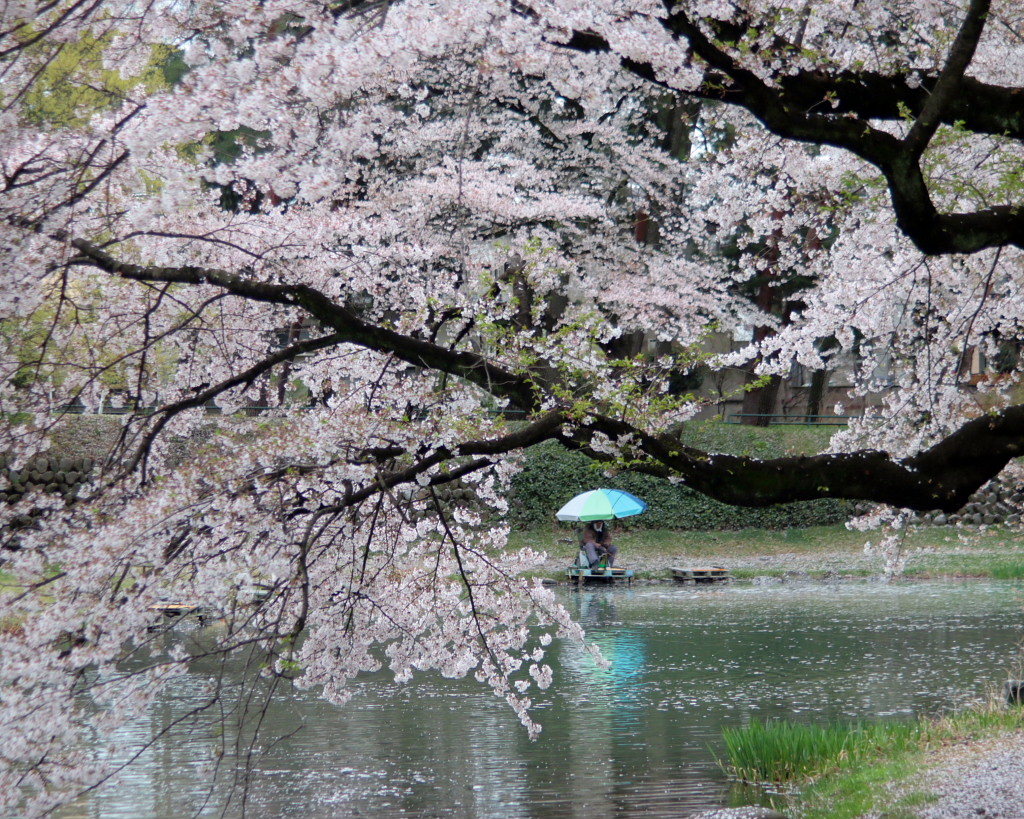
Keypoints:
pixel 52 474
pixel 763 568
pixel 998 502
pixel 47 473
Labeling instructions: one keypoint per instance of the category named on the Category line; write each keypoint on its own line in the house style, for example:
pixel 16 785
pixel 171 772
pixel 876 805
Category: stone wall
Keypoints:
pixel 998 502
pixel 49 473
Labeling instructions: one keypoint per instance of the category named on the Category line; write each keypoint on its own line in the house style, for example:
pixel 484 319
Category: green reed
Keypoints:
pixel 783 751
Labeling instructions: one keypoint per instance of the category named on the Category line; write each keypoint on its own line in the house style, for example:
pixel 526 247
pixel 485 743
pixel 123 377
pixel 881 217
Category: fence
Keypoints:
pixel 822 420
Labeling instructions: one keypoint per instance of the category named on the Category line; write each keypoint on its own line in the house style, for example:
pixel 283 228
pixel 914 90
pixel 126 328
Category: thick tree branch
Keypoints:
pixel 960 55
pixel 350 328
pixel 746 90
pixel 979 107
pixel 942 477
pixel 774 111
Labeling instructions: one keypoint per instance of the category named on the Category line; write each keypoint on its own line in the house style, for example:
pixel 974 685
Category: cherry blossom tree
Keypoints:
pixel 397 226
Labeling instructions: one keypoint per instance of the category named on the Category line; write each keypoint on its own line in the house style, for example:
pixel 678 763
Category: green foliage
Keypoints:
pixel 171 64
pixel 73 84
pixel 552 475
pixel 228 146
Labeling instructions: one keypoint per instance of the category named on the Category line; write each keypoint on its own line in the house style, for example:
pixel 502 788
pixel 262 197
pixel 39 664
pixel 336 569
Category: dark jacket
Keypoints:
pixel 602 538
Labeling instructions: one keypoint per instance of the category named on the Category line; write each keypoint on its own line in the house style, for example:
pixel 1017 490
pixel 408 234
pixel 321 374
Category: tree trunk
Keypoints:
pixel 759 403
pixel 819 383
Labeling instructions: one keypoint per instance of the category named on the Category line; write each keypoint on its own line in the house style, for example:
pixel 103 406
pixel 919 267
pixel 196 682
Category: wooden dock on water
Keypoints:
pixel 598 574
pixel 701 574
pixel 173 610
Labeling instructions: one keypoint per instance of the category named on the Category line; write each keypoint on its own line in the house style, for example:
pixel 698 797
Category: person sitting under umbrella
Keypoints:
pixel 596 542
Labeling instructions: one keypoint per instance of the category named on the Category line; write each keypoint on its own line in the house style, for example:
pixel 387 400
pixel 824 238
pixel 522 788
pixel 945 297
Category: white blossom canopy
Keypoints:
pixel 394 226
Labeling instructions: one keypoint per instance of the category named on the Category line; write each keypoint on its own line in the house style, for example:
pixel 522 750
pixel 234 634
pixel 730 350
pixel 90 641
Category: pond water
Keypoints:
pixel 639 738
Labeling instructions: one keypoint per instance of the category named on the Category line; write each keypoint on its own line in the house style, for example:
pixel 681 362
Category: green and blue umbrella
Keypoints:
pixel 601 504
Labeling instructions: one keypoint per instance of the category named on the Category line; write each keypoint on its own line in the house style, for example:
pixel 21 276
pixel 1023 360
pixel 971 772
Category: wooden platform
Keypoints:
pixel 175 610
pixel 598 574
pixel 701 574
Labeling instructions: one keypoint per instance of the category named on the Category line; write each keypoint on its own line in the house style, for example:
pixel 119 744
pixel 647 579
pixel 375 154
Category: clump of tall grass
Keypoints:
pixel 1008 570
pixel 782 751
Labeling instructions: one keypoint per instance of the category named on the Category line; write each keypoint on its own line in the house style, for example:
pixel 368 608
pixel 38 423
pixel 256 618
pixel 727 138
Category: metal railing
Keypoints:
pixel 818 420
pixel 110 409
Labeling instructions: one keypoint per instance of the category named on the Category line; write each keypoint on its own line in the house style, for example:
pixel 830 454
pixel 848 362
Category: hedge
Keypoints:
pixel 552 475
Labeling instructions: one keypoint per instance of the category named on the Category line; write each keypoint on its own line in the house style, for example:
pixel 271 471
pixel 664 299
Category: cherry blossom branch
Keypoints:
pixel 545 427
pixel 169 411
pixel 351 329
pixel 464 577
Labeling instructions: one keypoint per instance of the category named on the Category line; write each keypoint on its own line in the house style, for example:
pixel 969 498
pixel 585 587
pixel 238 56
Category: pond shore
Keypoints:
pixel 970 777
pixel 973 766
pixel 979 778
pixel 820 553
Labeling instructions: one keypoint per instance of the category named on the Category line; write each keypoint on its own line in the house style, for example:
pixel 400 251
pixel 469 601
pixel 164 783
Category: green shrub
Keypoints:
pixel 553 474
